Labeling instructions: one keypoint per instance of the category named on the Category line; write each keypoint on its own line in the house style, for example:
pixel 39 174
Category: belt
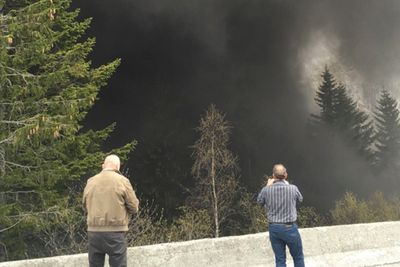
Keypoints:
pixel 287 223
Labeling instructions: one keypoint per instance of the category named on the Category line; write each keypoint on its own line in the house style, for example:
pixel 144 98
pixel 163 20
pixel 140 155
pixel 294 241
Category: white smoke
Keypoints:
pixel 323 51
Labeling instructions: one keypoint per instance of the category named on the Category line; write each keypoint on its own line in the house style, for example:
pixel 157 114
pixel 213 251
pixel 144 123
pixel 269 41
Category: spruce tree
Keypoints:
pixel 325 97
pixel 352 123
pixel 47 85
pixel 340 115
pixel 387 117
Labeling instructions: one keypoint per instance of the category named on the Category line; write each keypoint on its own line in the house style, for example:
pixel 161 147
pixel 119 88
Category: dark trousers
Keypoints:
pixel 282 235
pixel 114 244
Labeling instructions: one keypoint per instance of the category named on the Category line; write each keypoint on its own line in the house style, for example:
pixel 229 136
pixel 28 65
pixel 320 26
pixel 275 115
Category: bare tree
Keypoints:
pixel 215 168
pixel 63 231
pixel 147 226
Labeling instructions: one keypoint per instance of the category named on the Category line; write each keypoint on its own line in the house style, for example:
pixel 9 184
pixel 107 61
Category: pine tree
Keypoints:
pixel 325 97
pixel 344 109
pixel 354 124
pixel 340 115
pixel 215 169
pixel 47 85
pixel 387 144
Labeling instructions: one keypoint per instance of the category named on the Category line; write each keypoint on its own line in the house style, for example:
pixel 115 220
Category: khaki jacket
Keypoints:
pixel 108 199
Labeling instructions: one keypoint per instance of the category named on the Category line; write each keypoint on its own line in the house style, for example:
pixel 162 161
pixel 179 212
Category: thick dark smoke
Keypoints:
pixel 369 34
pixel 247 57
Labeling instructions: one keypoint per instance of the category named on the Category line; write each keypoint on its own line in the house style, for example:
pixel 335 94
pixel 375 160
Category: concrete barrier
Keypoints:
pixel 374 244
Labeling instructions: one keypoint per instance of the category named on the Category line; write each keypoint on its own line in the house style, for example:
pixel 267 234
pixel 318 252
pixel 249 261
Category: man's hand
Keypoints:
pixel 270 181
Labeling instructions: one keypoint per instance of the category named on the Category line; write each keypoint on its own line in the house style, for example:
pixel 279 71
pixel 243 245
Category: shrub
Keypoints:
pixel 309 217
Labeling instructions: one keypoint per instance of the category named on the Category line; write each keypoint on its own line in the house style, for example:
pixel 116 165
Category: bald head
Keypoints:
pixel 111 162
pixel 279 171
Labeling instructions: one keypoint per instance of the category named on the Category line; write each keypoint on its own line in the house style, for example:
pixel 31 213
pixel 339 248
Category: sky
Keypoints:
pixel 259 61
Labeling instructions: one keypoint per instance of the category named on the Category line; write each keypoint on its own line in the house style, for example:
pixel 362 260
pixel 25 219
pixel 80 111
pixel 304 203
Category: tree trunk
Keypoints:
pixel 214 190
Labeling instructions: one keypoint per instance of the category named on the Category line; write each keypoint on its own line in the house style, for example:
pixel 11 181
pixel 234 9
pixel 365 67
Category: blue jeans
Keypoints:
pixel 282 235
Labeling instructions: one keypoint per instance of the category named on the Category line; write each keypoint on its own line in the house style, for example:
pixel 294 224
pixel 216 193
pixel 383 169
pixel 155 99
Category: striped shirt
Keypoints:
pixel 279 200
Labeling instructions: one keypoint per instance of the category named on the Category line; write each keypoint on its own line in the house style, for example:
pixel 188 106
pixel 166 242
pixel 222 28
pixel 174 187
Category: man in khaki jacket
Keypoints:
pixel 109 200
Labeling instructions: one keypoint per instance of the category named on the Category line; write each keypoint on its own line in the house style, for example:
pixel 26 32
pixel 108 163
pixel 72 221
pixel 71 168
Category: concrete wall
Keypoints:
pixel 375 244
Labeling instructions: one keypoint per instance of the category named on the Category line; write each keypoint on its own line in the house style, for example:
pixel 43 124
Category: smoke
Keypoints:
pixel 360 41
pixel 357 39
pixel 259 61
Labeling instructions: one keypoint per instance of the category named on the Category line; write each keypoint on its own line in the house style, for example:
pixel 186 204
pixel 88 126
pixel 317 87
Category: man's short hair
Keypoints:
pixel 279 171
pixel 112 160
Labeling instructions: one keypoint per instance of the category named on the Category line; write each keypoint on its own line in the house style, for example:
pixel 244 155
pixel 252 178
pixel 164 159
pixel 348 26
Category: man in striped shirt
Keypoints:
pixel 279 199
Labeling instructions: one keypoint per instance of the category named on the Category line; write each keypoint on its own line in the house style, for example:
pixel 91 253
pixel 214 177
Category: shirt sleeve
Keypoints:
pixel 131 201
pixel 84 199
pixel 299 196
pixel 261 199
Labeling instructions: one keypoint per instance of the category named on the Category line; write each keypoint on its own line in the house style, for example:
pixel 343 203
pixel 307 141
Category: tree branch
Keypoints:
pixel 12 226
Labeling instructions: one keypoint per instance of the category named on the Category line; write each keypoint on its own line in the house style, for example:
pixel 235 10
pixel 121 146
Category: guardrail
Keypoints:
pixel 373 244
